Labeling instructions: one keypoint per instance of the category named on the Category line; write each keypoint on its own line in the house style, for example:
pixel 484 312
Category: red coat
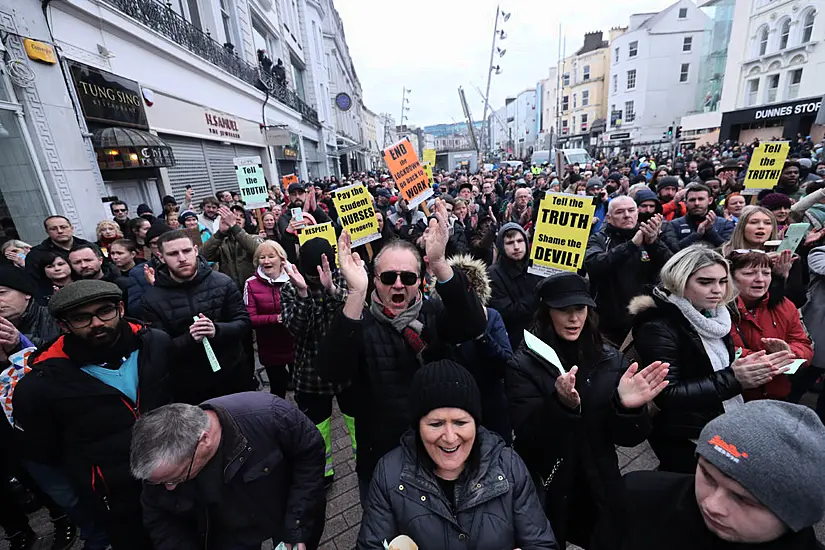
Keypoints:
pixel 770 320
pixel 262 297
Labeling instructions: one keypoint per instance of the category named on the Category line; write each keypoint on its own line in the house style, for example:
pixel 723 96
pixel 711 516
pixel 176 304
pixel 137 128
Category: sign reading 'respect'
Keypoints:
pixel 562 230
pixel 408 173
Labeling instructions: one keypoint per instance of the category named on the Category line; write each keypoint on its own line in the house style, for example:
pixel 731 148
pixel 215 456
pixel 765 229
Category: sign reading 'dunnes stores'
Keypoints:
pixel 108 98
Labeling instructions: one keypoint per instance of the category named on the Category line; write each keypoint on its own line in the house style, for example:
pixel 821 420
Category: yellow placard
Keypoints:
pixel 429 171
pixel 354 206
pixel 429 157
pixel 766 165
pixel 408 173
pixel 322 230
pixel 562 231
pixel 40 51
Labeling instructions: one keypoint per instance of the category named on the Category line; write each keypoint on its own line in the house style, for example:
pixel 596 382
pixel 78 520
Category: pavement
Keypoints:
pixel 343 507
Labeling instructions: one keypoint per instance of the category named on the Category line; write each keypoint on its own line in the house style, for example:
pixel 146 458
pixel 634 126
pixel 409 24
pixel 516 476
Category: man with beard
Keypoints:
pixel 788 182
pixel 700 225
pixel 670 197
pixel 187 289
pixel 290 227
pixel 380 347
pixel 622 260
pixel 513 289
pixel 76 408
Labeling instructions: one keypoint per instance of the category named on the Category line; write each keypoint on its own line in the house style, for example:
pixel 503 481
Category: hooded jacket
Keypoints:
pixel 262 297
pixel 172 306
pixel 496 506
pixel 513 289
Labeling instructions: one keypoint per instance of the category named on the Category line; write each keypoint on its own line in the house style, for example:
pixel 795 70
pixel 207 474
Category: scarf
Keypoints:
pixel 406 322
pixel 711 330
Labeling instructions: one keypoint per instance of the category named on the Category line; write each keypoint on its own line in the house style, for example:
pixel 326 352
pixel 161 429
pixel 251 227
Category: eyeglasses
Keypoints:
pixel 83 320
pixel 178 481
pixel 408 278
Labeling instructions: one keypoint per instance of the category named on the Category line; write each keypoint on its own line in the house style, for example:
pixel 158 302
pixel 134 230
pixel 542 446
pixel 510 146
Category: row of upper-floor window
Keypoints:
pixel 788 32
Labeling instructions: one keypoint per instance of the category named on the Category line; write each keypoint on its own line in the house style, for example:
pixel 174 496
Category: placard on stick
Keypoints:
pixel 354 206
pixel 322 230
pixel 562 231
pixel 766 165
pixel 251 182
pixel 408 173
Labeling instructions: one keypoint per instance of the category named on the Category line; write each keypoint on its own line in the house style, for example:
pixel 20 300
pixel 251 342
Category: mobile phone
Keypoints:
pixel 297 214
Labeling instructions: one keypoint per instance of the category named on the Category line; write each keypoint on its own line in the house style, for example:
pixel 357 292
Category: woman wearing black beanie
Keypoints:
pixel 452 484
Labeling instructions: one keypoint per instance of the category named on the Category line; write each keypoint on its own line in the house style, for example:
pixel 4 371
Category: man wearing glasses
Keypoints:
pixel 76 408
pixel 380 346
pixel 230 473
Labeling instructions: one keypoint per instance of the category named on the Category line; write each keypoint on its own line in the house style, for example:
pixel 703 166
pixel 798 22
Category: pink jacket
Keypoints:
pixel 262 297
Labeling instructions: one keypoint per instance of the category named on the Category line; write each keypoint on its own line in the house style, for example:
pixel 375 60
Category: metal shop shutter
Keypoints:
pixel 219 158
pixel 190 169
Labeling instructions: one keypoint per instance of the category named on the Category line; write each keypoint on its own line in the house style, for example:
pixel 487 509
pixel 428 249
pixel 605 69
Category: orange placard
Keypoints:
pixel 287 180
pixel 408 173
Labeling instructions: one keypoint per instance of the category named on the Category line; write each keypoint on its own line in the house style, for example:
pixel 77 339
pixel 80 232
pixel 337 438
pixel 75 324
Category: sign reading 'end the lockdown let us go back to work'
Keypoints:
pixel 409 175
pixel 562 230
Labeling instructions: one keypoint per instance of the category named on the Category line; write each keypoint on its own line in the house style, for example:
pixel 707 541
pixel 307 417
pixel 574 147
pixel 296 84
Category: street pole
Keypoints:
pixel 485 123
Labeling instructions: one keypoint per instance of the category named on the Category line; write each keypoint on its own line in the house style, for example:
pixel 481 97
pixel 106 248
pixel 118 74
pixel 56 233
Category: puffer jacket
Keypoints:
pixel 771 318
pixel 496 506
pixel 273 477
pixel 233 250
pixel 570 454
pixel 262 297
pixel 70 419
pixel 172 306
pixel 694 393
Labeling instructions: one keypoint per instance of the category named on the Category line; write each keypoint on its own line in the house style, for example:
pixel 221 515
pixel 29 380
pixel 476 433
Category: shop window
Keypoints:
pixel 794 80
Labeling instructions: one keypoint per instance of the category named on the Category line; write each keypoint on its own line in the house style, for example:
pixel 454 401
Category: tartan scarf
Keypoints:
pixel 406 322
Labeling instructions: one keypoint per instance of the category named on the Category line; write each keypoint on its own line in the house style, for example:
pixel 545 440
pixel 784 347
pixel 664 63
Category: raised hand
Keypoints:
pixel 636 389
pixel 351 265
pixel 566 389
pixel 296 279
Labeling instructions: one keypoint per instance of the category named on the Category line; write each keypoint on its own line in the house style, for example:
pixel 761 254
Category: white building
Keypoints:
pixel 773 85
pixel 653 74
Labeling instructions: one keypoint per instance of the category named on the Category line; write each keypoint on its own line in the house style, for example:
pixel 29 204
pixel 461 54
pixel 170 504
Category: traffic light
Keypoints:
pixel 678 132
pixel 670 132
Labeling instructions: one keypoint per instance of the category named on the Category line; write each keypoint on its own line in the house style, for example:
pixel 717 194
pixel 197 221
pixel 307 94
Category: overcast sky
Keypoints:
pixel 435 46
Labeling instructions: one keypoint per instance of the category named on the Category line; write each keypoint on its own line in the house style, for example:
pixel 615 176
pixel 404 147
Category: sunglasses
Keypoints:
pixel 408 278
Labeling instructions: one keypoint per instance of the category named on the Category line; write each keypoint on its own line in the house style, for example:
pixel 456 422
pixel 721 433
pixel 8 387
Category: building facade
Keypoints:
pixel 653 75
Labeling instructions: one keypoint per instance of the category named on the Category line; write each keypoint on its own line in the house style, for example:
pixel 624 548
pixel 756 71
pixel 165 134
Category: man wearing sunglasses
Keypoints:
pixel 380 346
pixel 76 408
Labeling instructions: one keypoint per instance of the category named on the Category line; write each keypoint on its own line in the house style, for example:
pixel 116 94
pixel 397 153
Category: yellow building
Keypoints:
pixel 582 98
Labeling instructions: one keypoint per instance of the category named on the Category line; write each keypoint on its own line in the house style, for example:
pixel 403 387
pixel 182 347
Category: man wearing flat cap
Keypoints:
pixel 76 408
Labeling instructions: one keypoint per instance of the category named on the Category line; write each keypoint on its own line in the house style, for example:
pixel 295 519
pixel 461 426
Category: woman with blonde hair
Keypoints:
pixel 107 231
pixel 686 324
pixel 262 296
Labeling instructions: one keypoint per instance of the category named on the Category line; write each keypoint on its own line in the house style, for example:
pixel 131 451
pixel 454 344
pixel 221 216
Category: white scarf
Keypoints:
pixel 711 330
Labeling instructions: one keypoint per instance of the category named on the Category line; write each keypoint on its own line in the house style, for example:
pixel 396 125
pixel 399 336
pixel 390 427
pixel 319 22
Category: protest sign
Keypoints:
pixel 408 173
pixel 286 181
pixel 354 206
pixel 251 181
pixel 562 231
pixel 429 157
pixel 322 230
pixel 766 165
pixel 793 236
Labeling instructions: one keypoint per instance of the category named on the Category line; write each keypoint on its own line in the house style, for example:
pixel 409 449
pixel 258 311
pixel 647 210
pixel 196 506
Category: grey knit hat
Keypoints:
pixel 80 293
pixel 776 451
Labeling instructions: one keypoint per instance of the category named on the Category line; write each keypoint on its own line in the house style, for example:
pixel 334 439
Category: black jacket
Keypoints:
pixel 273 477
pixel 694 393
pixel 619 271
pixel 681 233
pixel 573 452
pixel 381 364
pixel 663 513
pixel 496 506
pixel 73 420
pixel 172 306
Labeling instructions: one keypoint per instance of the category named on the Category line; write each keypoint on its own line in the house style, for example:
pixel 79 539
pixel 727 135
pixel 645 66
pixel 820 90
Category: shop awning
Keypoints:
pixel 121 148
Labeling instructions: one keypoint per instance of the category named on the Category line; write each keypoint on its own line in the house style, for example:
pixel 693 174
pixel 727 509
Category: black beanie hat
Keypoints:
pixel 16 279
pixel 440 384
pixel 309 256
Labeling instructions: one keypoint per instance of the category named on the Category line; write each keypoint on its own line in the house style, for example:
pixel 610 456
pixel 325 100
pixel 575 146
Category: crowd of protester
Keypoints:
pixel 133 365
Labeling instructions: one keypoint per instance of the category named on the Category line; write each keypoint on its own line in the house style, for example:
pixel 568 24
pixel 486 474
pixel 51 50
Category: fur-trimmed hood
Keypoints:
pixel 476 271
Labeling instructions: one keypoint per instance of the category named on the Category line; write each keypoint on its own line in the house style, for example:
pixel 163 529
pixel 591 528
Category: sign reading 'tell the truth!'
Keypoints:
pixel 108 98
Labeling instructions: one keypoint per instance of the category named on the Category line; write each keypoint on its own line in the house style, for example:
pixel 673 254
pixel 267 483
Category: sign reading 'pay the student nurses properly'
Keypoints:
pixel 408 173
pixel 766 165
pixel 251 182
pixel 354 206
pixel 562 231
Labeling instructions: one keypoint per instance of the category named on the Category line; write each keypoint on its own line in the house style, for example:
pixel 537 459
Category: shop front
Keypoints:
pixel 777 121
pixel 128 155
pixel 205 143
